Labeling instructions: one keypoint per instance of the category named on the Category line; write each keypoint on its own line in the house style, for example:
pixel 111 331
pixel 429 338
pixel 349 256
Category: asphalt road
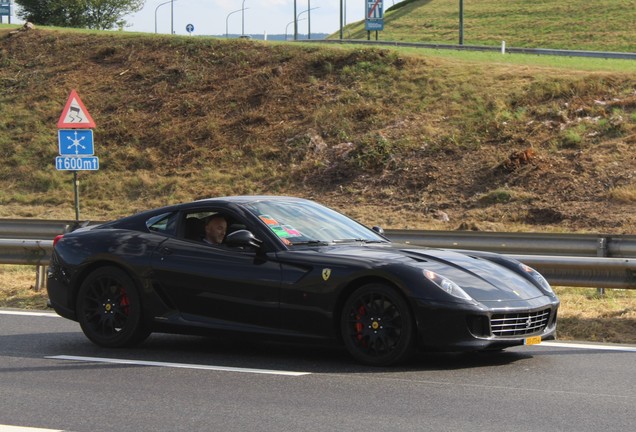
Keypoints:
pixel 52 377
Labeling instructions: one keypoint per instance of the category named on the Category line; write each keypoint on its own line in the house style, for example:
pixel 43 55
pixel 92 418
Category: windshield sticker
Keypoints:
pixel 282 231
pixel 279 231
pixel 291 231
pixel 268 220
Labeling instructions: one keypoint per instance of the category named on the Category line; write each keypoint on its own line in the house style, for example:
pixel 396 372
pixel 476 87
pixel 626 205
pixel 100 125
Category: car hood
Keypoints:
pixel 482 279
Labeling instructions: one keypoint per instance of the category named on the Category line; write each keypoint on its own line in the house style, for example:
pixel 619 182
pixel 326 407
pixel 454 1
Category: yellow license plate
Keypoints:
pixel 534 340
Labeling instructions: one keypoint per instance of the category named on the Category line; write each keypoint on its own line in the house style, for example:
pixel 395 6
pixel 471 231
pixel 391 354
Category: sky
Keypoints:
pixel 212 17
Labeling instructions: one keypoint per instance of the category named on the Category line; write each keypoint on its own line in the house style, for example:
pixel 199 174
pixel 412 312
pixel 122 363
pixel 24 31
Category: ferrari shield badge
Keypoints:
pixel 326 273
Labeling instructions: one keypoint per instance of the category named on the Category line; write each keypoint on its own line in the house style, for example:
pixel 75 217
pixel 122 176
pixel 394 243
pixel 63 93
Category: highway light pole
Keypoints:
pixel 243 18
pixel 295 22
pixel 461 22
pixel 157 8
pixel 227 17
pixel 305 11
pixel 341 33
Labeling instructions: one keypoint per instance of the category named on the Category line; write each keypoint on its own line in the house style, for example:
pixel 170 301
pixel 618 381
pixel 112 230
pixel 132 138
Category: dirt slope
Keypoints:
pixel 395 139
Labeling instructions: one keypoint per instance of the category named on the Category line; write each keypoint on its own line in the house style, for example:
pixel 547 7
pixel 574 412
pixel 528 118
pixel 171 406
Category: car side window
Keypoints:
pixel 164 223
pixel 193 227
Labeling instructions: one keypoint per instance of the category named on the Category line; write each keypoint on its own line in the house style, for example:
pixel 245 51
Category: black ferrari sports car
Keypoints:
pixel 289 267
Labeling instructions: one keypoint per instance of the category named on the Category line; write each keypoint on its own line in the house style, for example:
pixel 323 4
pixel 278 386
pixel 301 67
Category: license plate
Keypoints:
pixel 534 340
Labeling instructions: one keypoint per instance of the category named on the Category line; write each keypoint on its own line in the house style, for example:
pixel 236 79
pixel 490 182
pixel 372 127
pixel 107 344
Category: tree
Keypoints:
pixel 93 14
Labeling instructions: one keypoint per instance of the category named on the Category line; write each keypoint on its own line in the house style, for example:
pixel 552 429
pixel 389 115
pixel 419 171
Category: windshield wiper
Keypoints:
pixel 310 243
pixel 358 240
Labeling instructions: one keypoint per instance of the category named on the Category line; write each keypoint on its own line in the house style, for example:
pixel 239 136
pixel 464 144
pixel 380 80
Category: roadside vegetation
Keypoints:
pixel 593 25
pixel 402 138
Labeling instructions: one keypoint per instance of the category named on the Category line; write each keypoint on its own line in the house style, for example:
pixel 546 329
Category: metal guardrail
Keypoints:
pixel 583 260
pixel 583 245
pixel 511 50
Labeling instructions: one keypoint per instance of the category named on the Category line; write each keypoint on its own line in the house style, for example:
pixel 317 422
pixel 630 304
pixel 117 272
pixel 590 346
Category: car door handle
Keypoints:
pixel 165 251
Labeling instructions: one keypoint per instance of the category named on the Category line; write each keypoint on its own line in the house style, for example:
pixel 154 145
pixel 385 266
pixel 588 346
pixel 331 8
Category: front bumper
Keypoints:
pixel 476 327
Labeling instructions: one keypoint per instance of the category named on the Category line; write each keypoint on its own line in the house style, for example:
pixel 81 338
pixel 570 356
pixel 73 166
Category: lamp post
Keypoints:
pixel 243 18
pixel 295 23
pixel 461 22
pixel 227 17
pixel 341 21
pixel 291 22
pixel 305 11
pixel 308 19
pixel 171 17
pixel 157 8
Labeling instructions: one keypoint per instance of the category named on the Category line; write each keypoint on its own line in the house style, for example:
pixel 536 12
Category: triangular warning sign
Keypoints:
pixel 75 114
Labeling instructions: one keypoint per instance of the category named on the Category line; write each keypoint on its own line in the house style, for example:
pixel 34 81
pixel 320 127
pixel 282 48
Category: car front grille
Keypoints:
pixel 519 324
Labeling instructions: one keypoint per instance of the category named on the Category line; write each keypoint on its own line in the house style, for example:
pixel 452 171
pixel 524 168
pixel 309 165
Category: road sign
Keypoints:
pixel 75 115
pixel 190 28
pixel 374 15
pixel 77 163
pixel 78 142
pixel 5 9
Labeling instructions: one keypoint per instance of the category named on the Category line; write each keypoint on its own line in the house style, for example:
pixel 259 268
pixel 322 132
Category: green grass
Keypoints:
pixel 598 25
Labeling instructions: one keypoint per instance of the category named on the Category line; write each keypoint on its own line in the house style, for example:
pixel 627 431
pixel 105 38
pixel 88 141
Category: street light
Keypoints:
pixel 243 18
pixel 309 8
pixel 156 12
pixel 306 10
pixel 461 22
pixel 291 22
pixel 227 17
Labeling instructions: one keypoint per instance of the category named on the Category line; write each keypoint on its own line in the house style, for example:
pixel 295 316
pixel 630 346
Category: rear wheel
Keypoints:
pixel 109 309
pixel 377 326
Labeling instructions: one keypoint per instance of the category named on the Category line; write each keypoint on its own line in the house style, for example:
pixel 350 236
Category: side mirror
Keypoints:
pixel 242 238
pixel 378 229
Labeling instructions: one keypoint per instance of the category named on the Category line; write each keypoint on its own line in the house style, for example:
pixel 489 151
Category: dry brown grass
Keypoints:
pixel 17 288
pixel 586 315
pixel 583 315
pixel 186 118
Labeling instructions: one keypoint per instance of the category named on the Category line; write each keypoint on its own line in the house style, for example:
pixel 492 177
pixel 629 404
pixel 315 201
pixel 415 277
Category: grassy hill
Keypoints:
pixel 392 137
pixel 597 25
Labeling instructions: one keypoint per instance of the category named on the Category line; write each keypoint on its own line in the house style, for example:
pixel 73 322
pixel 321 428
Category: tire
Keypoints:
pixel 109 309
pixel 377 326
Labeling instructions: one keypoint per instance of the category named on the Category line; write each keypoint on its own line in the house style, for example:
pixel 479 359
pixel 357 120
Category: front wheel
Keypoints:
pixel 109 309
pixel 377 326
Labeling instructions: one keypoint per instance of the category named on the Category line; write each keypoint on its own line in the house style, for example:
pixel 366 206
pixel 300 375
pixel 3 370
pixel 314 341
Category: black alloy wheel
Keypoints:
pixel 377 326
pixel 109 309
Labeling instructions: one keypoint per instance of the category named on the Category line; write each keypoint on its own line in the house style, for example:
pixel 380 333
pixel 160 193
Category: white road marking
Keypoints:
pixel 30 313
pixel 178 365
pixel 579 345
pixel 7 428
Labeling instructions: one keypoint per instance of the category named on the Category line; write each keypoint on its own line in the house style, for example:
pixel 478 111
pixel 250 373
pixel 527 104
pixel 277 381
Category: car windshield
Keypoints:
pixel 309 223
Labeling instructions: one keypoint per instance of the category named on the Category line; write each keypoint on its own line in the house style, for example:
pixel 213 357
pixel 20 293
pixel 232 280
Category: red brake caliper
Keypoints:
pixel 359 326
pixel 124 303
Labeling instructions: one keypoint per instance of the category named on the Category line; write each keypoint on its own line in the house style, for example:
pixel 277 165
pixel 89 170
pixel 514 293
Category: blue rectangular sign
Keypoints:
pixel 374 14
pixel 78 142
pixel 5 9
pixel 77 163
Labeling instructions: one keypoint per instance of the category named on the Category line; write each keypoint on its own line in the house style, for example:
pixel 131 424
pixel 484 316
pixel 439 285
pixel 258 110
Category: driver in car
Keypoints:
pixel 215 229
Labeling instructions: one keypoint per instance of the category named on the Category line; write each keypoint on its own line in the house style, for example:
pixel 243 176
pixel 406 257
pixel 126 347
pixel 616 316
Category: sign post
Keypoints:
pixel 75 142
pixel 374 17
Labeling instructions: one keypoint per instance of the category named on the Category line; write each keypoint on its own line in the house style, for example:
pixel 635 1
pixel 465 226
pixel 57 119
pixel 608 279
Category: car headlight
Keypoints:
pixel 447 285
pixel 536 276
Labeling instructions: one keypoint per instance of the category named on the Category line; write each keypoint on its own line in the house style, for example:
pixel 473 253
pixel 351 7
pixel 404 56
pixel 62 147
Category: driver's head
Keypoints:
pixel 215 228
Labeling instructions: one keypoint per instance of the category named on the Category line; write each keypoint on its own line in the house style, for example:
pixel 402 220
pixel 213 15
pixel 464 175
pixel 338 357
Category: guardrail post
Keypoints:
pixel 601 251
pixel 40 277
